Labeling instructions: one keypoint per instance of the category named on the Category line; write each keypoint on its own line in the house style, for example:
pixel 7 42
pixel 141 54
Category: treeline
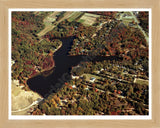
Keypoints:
pixel 105 14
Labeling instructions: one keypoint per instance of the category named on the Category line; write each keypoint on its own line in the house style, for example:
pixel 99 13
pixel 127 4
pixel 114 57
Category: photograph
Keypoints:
pixel 77 63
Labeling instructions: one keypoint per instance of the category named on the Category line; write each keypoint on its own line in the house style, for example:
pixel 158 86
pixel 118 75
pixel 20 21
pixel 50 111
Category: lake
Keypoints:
pixel 61 73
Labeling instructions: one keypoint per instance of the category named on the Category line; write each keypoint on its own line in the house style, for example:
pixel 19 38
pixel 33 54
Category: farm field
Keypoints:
pixel 75 16
pixel 88 19
pixel 51 18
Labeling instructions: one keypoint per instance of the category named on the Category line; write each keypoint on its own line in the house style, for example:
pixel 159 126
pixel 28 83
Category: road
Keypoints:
pixel 23 109
pixel 136 20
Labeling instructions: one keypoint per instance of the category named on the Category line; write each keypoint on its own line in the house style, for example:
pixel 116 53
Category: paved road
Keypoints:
pixel 136 20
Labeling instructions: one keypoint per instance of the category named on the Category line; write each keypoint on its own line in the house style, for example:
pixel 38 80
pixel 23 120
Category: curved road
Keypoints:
pixel 136 20
pixel 23 109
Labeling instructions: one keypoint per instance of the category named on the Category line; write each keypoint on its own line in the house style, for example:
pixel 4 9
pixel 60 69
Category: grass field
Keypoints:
pixel 142 81
pixel 81 20
pixel 74 16
pixel 51 18
pixel 88 19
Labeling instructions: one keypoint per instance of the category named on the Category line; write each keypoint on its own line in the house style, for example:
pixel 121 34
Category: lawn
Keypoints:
pixel 81 20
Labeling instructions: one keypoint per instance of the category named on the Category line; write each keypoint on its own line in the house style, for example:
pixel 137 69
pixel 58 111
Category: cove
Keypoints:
pixel 63 64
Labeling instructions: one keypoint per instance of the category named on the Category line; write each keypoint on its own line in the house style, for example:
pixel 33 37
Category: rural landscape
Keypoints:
pixel 80 63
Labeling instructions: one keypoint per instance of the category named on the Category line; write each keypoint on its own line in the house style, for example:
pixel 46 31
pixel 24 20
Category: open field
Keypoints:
pixel 22 100
pixel 141 81
pixel 74 16
pixel 88 19
pixel 51 18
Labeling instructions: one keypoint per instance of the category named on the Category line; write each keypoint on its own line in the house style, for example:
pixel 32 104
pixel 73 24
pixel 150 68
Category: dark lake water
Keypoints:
pixel 61 73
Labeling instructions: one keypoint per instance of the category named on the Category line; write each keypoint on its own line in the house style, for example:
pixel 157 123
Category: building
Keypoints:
pixel 75 77
pixel 92 79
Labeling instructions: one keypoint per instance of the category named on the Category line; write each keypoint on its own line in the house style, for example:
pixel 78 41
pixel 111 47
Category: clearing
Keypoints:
pixel 22 101
pixel 141 81
pixel 88 19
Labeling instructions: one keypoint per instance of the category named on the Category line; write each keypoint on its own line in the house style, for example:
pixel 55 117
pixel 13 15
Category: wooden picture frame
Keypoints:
pixel 4 67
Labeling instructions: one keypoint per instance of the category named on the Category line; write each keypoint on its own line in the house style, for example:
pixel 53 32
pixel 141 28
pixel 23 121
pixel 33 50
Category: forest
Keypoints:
pixel 30 53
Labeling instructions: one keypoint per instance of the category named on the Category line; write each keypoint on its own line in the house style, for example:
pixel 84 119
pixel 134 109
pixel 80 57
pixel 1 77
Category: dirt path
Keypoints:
pixel 23 109
pixel 22 100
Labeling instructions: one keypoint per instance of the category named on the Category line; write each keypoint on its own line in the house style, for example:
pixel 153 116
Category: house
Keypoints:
pixel 15 82
pixel 12 62
pixel 125 72
pixel 96 90
pixel 119 92
pixel 74 86
pixel 97 72
pixel 75 77
pixel 86 88
pixel 102 69
pixel 92 79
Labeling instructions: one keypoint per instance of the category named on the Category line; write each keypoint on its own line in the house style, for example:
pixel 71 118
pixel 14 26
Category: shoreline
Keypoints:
pixel 48 68
pixel 52 60
pixel 24 91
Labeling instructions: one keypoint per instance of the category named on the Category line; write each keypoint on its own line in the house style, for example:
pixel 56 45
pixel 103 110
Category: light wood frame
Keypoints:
pixel 4 11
